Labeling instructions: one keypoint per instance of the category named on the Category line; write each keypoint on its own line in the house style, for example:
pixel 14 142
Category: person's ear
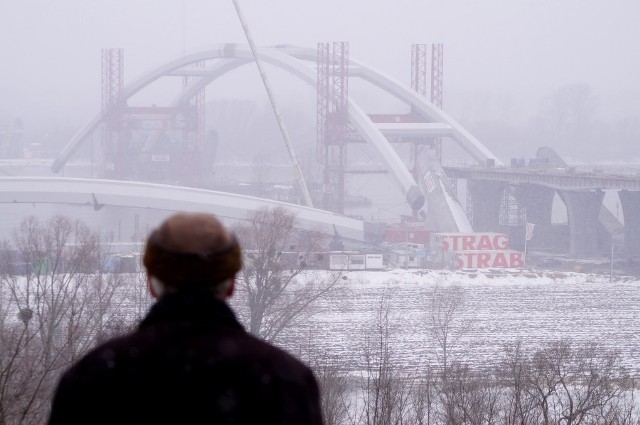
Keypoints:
pixel 152 285
pixel 232 286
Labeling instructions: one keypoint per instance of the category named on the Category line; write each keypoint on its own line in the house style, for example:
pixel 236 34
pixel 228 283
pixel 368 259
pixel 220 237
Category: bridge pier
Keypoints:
pixel 486 200
pixel 583 210
pixel 630 201
pixel 538 200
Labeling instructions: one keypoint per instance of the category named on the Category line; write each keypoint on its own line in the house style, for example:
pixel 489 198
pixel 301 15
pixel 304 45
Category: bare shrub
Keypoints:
pixel 566 384
pixel 275 293
pixel 385 391
pixel 53 303
pixel 424 398
pixel 519 402
pixel 335 388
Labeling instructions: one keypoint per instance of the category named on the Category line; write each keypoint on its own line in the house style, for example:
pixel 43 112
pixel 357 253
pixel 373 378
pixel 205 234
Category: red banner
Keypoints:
pixel 530 227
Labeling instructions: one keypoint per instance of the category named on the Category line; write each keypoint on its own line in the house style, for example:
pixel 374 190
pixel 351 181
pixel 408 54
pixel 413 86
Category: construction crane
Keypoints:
pixel 285 135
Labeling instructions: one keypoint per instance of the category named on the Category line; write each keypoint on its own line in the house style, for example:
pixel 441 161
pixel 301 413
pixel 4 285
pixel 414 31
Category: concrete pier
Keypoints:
pixel 583 209
pixel 538 200
pixel 630 202
pixel 486 198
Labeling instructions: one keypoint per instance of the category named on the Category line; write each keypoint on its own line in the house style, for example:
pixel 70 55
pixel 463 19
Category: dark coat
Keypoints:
pixel 190 362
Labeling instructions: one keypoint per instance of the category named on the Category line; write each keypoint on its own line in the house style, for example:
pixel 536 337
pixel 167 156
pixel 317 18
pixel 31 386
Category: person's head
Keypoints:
pixel 192 252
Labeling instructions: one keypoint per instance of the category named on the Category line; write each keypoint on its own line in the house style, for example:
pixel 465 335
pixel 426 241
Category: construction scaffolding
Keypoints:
pixel 511 214
pixel 193 134
pixel 113 132
pixel 419 68
pixel 154 143
pixel 419 84
pixel 332 109
pixel 437 68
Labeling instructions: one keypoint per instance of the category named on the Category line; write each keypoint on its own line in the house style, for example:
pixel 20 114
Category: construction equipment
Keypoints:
pixel 285 135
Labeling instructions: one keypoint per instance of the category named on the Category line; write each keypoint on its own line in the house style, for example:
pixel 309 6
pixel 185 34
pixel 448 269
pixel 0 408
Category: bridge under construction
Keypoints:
pixel 129 146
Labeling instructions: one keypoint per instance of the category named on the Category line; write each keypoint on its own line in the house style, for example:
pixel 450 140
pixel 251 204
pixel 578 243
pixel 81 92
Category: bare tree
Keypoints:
pixel 546 373
pixel 579 385
pixel 53 303
pixel 385 391
pixel 274 289
pixel 472 397
pixel 514 372
pixel 446 328
pixel 424 398
pixel 446 323
pixel 592 382
pixel 333 380
pixel 623 409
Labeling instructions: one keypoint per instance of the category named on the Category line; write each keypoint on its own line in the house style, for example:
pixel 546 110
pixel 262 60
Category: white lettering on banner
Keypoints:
pixel 486 259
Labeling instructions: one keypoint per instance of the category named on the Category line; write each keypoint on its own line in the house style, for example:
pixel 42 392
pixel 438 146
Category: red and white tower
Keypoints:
pixel 113 131
pixel 333 97
pixel 436 87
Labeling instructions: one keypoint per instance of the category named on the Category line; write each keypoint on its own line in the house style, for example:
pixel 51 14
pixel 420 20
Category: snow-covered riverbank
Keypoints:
pixel 499 308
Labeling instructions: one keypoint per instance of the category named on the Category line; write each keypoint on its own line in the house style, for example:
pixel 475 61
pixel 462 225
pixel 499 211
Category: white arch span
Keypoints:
pixel 291 59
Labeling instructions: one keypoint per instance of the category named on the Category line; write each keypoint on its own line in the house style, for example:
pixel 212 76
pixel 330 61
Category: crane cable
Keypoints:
pixel 276 111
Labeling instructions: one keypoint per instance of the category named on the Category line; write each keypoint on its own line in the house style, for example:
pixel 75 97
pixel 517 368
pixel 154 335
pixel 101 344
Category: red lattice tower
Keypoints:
pixel 193 133
pixel 419 68
pixel 322 88
pixel 437 62
pixel 114 142
pixel 419 84
pixel 333 96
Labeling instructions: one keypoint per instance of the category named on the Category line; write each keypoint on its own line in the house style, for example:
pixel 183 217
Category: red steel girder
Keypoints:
pixel 419 68
pixel 437 65
pixel 333 98
pixel 437 69
pixel 114 135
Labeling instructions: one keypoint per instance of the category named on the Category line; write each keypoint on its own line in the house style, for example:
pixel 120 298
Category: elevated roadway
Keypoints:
pixel 569 178
pixel 97 193
pixel 591 225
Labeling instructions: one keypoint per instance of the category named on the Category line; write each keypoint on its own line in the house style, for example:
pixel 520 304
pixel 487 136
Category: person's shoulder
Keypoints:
pixel 101 359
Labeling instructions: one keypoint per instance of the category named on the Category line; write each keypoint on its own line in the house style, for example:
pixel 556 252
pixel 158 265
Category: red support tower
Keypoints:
pixel 419 84
pixel 322 87
pixel 436 86
pixel 333 96
pixel 419 68
pixel 114 142
pixel 193 134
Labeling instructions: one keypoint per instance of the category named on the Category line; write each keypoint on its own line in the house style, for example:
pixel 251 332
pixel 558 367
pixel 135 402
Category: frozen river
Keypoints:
pixel 497 309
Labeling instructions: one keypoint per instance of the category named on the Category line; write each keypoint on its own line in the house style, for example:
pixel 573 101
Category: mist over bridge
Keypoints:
pixel 426 122
pixel 423 126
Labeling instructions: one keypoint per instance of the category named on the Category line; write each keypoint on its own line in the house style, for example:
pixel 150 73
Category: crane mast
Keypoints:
pixel 285 135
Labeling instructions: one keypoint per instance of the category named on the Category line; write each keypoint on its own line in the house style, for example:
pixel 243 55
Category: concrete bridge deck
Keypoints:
pixel 580 188
pixel 559 178
pixel 96 193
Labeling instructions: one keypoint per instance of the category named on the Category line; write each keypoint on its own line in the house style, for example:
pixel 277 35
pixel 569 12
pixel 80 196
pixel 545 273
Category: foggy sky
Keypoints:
pixel 523 49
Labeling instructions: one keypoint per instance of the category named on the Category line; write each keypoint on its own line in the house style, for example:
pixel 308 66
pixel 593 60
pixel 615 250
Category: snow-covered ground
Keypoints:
pixel 499 308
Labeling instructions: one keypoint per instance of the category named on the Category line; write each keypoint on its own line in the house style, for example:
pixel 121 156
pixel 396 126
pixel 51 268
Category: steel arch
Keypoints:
pixel 290 58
